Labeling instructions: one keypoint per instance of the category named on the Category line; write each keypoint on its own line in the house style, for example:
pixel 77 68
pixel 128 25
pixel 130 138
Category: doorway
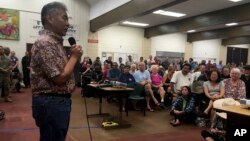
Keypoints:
pixel 237 55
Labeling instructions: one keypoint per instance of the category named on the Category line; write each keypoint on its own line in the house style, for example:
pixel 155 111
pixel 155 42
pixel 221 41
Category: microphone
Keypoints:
pixel 72 41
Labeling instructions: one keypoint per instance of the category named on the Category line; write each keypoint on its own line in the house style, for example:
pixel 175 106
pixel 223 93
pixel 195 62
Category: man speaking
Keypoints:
pixel 52 79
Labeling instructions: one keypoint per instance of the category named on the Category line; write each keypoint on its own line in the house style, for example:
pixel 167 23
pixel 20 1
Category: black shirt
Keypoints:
pixel 247 83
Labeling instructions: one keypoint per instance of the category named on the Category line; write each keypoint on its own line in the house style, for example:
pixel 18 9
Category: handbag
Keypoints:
pixel 197 87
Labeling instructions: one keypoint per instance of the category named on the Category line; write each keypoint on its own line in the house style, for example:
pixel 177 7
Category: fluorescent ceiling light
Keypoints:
pixel 191 31
pixel 235 0
pixel 169 13
pixel 231 24
pixel 135 23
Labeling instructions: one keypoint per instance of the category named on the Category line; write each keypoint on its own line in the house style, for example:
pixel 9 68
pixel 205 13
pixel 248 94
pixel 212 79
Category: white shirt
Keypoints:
pixel 180 80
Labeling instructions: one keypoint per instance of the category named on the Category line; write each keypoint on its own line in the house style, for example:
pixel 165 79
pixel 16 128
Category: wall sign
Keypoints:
pixel 37 28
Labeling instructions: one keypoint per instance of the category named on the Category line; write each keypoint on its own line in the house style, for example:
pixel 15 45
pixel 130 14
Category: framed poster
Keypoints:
pixel 9 24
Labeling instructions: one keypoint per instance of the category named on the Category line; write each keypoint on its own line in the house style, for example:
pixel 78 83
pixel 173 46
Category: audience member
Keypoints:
pixel 220 66
pixel 246 78
pixel 225 73
pixel 109 61
pixel 106 70
pixel 97 75
pixel 120 61
pixel 142 77
pixel 234 87
pixel 130 61
pixel 97 62
pixel 157 85
pixel 214 89
pixel 150 61
pixel 167 78
pixel 183 109
pixel 133 69
pixel 86 75
pixel 26 70
pixel 5 70
pixel 141 59
pixel 180 79
pixel 127 78
pixel 209 64
pixel 114 72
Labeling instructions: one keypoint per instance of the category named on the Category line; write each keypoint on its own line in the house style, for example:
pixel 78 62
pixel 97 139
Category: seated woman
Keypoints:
pixel 183 109
pixel 86 74
pixel 166 82
pixel 234 87
pixel 126 77
pixel 157 85
pixel 214 89
pixel 167 77
pixel 133 69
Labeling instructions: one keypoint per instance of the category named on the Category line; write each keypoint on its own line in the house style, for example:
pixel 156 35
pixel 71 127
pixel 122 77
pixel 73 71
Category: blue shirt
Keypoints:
pixel 114 73
pixel 142 76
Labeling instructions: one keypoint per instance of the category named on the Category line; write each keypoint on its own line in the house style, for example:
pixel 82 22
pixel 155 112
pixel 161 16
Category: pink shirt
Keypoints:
pixel 156 79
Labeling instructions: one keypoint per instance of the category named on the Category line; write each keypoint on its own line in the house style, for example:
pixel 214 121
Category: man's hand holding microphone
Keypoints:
pixel 76 50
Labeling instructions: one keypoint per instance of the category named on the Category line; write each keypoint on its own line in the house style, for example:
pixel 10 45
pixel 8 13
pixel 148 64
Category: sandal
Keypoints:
pixel 176 123
pixel 151 110
pixel 161 105
pixel 172 121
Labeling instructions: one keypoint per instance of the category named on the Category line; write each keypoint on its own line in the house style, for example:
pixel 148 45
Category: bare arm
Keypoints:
pixel 172 86
pixel 206 92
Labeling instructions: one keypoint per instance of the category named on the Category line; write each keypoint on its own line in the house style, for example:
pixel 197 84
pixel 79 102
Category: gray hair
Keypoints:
pixel 237 70
pixel 50 8
pixel 154 67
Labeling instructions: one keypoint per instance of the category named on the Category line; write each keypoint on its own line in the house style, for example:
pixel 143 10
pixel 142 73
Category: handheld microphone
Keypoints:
pixel 72 41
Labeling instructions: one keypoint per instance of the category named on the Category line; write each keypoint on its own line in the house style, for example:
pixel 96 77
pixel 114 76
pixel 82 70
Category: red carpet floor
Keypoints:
pixel 19 124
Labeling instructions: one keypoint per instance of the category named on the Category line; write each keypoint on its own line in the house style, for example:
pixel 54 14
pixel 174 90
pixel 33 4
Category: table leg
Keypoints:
pixel 100 114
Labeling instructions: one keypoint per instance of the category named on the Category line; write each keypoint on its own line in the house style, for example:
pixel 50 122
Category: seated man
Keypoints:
pixel 127 78
pixel 142 77
pixel 113 75
pixel 180 79
pixel 114 72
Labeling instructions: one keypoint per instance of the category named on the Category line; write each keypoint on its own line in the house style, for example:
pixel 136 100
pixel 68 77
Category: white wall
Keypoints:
pixel 30 9
pixel 120 39
pixel 103 6
pixel 171 42
pixel 207 49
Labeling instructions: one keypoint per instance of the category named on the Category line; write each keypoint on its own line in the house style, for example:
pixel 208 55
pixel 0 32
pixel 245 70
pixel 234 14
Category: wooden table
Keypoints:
pixel 120 93
pixel 238 117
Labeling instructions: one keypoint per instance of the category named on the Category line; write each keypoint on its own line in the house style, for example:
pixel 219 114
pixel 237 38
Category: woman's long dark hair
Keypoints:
pixel 189 91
